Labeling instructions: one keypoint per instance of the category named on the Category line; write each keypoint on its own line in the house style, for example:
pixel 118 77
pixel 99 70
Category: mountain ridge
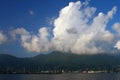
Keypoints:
pixel 59 60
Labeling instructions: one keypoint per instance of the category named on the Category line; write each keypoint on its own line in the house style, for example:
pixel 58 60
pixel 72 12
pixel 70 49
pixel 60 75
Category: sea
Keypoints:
pixel 68 76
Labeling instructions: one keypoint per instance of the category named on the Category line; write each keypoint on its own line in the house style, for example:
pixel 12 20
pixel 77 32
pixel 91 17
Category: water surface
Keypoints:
pixel 103 76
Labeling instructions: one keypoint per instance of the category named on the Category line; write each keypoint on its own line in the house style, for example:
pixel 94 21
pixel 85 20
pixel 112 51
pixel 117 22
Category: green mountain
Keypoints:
pixel 59 61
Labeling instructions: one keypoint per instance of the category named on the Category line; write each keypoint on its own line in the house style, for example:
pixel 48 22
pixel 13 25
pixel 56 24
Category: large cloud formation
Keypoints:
pixel 76 30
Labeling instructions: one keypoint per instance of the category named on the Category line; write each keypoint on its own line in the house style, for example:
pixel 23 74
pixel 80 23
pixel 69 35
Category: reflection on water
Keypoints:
pixel 102 76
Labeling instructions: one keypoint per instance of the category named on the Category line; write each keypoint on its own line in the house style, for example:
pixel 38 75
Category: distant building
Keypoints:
pixel 91 71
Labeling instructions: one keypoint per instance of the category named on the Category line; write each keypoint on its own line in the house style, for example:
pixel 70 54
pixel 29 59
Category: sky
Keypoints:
pixel 32 27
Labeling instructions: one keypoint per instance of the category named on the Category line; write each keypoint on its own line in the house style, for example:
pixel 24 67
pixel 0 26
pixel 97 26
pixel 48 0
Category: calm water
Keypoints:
pixel 60 77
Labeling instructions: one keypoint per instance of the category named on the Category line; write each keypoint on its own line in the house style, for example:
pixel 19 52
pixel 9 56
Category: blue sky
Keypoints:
pixel 35 14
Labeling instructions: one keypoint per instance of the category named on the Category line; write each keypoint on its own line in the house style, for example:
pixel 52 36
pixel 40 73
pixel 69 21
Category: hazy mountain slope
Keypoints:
pixel 60 60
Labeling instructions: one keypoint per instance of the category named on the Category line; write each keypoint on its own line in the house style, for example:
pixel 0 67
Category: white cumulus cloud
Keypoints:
pixel 33 43
pixel 3 37
pixel 117 45
pixel 76 29
pixel 116 27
